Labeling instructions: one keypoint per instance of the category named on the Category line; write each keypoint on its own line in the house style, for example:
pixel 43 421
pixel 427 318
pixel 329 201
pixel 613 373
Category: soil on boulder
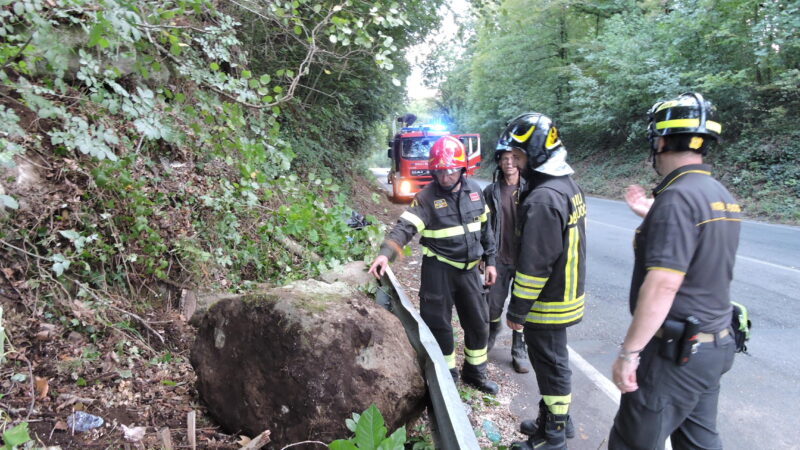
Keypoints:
pixel 300 359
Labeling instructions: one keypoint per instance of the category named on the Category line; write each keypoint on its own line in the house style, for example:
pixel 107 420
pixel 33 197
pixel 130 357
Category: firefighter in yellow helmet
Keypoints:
pixel 451 215
pixel 679 343
pixel 548 290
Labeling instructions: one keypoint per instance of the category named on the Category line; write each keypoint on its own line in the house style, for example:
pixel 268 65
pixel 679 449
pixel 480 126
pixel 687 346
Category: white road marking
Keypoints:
pixel 746 258
pixel 777 266
pixel 603 383
pixel 599 380
pixel 629 230
pixel 754 222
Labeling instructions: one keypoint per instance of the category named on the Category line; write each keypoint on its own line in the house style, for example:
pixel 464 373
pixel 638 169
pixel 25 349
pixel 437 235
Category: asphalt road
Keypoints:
pixel 759 398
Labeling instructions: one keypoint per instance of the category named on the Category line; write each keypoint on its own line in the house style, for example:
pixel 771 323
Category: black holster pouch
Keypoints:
pixel 671 333
pixel 679 340
pixel 689 340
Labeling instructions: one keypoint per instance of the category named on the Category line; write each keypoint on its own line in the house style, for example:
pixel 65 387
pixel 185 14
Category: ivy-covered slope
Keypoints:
pixel 190 141
pixel 153 149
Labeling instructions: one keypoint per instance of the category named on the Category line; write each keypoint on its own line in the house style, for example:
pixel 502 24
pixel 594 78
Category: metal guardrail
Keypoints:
pixel 450 426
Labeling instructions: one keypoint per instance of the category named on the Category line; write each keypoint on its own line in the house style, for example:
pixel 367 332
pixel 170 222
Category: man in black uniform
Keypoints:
pixel 502 196
pixel 452 217
pixel 684 254
pixel 548 291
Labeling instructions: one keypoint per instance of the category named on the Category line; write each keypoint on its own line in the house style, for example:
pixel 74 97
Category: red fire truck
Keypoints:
pixel 409 150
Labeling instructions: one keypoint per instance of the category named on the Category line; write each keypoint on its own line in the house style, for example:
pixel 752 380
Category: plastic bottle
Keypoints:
pixel 491 431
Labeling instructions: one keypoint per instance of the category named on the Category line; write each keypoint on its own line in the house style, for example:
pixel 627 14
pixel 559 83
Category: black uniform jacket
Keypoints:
pixel 551 265
pixel 454 226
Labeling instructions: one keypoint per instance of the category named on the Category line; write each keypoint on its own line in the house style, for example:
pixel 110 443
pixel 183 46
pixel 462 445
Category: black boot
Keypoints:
pixel 552 437
pixel 519 354
pixel 475 376
pixel 533 427
pixel 494 330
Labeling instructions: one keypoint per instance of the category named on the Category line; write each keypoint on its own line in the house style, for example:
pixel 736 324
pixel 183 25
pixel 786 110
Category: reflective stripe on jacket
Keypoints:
pixel 548 287
pixel 454 226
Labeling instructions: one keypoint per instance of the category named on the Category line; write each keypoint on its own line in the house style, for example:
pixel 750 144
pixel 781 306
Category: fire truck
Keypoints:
pixel 409 151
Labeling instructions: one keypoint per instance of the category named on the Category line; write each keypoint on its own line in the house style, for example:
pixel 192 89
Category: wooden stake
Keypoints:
pixel 191 430
pixel 166 438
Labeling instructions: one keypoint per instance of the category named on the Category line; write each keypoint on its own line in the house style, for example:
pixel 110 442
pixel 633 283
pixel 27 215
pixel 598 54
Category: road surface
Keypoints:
pixel 759 399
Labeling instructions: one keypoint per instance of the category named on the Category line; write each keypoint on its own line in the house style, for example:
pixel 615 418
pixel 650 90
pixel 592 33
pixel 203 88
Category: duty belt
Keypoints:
pixel 702 338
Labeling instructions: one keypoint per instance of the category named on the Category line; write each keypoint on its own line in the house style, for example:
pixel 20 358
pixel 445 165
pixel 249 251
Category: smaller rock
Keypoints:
pixel 353 273
pixel 74 337
pixel 80 421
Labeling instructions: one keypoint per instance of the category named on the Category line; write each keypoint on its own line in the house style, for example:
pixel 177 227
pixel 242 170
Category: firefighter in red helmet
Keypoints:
pixel 452 217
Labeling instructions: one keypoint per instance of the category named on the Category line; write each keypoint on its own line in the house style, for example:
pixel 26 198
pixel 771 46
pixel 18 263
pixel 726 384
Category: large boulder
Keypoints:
pixel 300 359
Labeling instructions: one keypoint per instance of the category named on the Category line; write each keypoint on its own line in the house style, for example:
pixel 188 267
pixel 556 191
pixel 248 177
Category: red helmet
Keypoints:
pixel 448 154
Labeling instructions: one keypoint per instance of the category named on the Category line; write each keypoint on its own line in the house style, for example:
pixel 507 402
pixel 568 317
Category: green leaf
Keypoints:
pixel 19 377
pixel 246 74
pixel 60 264
pixel 17 435
pixel 168 383
pixel 342 444
pixel 214 66
pixel 370 430
pixel 265 79
pixel 72 235
pixel 8 201
pixel 396 441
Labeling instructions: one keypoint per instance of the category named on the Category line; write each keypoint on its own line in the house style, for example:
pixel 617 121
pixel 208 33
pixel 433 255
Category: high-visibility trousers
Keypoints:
pixel 444 286
pixel 547 351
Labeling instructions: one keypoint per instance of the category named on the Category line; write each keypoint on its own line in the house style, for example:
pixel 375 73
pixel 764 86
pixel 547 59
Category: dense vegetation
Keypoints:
pixel 196 142
pixel 597 66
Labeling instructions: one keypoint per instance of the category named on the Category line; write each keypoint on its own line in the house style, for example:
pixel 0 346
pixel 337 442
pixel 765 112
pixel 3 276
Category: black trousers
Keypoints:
pixel 498 292
pixel 675 401
pixel 444 286
pixel 547 350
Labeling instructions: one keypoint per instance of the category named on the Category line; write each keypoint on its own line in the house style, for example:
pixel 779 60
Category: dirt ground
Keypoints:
pixel 140 382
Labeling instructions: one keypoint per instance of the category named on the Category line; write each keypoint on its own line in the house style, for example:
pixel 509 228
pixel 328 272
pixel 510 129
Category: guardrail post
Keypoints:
pixel 450 425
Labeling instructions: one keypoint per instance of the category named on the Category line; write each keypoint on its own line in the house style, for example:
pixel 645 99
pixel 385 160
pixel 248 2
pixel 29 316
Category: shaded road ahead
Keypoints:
pixel 758 403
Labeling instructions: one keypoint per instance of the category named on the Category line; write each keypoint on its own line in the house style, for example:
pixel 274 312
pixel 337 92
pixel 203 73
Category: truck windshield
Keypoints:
pixel 417 148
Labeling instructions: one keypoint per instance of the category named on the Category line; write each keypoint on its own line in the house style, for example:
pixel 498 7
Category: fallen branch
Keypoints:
pixel 69 400
pixel 120 310
pixel 33 387
pixel 306 442
pixel 291 245
pixel 258 441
